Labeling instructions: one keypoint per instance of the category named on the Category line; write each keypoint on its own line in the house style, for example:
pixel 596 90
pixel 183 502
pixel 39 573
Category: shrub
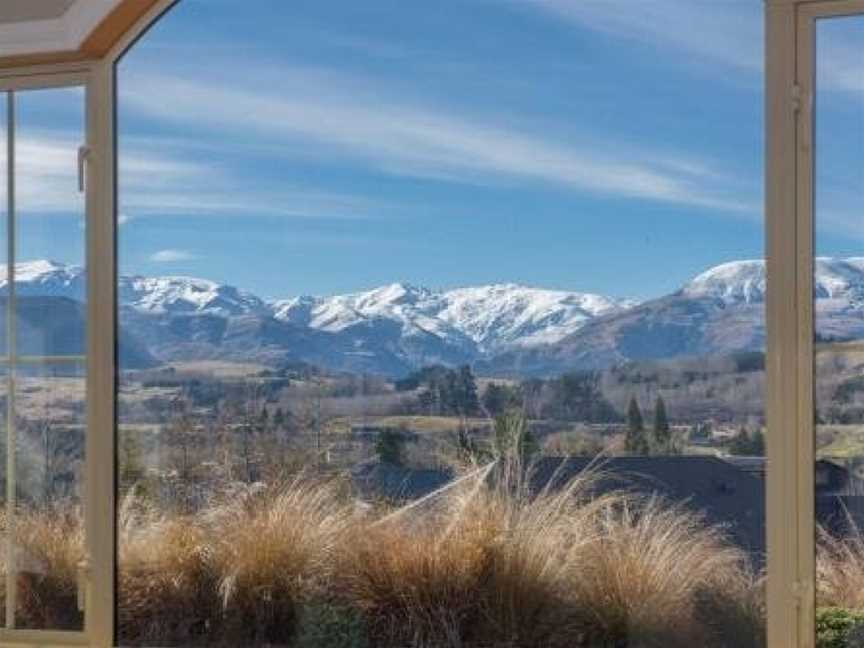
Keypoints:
pixel 331 625
pixel 839 627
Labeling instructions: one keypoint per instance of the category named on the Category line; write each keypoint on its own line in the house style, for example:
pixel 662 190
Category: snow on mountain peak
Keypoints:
pixel 186 295
pixel 733 282
pixel 744 281
pixel 46 278
pixel 506 315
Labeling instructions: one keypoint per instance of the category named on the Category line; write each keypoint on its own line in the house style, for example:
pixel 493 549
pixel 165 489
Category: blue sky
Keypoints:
pixel 315 147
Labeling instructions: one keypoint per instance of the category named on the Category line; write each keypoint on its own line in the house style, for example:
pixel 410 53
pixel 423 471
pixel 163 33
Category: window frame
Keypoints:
pixel 97 573
pixel 790 521
pixel 789 200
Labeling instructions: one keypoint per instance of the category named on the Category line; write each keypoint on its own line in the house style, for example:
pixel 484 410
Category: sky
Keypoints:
pixel 323 147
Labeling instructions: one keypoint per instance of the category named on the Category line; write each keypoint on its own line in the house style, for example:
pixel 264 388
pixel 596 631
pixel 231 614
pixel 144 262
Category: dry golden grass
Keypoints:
pixel 840 569
pixel 500 566
pixel 274 551
pixel 644 574
pixel 485 566
pixel 50 550
pixel 167 579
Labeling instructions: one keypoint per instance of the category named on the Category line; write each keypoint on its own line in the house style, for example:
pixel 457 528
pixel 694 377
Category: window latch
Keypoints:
pixel 796 97
pixel 83 583
pixel 83 155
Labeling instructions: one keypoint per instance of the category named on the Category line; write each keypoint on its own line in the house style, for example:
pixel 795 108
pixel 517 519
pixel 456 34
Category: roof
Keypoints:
pixel 725 494
pixel 376 480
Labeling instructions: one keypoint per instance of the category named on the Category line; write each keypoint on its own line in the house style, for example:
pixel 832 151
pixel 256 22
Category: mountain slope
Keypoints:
pixel 501 328
pixel 721 311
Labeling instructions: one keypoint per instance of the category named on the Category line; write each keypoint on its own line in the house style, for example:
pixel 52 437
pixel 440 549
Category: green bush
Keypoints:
pixel 839 628
pixel 326 625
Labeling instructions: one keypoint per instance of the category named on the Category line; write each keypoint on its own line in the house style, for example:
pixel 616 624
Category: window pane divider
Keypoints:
pixel 11 343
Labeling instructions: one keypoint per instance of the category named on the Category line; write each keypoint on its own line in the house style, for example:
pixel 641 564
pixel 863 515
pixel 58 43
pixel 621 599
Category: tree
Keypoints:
pixel 662 431
pixel 746 444
pixel 636 441
pixel 498 398
pixel 467 401
pixel 390 447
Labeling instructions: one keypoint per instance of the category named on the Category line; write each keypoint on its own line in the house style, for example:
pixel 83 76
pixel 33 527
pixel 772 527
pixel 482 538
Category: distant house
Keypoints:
pixel 728 491
pixel 839 495
pixel 374 481
pixel 717 489
pixel 723 493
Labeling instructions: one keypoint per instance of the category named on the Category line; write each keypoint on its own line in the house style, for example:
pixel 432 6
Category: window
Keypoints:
pixel 392 278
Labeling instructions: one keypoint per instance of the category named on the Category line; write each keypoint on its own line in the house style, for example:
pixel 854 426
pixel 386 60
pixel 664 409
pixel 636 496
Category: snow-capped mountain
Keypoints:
pixel 172 295
pixel 493 318
pixel 720 311
pixel 501 328
pixel 836 280
pixel 151 294
pixel 46 279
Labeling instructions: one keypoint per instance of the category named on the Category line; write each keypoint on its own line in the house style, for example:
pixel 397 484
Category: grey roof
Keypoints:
pixel 376 480
pixel 725 494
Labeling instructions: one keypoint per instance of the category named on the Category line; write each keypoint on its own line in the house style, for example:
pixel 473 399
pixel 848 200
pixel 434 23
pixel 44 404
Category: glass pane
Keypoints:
pixel 50 236
pixel 49 465
pixel 396 278
pixel 42 467
pixel 839 321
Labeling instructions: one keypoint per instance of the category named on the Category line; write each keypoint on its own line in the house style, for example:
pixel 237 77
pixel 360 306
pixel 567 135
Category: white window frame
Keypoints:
pixel 98 573
pixel 791 524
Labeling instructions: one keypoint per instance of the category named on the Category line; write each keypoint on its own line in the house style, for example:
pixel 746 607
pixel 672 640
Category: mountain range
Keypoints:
pixel 502 329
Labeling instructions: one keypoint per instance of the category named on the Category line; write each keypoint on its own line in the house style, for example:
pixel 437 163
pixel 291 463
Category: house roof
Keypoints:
pixel 376 480
pixel 725 494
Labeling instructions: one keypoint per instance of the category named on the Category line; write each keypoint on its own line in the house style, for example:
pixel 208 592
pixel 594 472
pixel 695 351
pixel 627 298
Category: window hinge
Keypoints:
pixel 83 155
pixel 803 592
pixel 796 97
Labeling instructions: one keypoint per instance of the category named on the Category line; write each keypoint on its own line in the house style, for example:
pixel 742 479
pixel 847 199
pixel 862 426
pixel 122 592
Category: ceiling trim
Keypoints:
pixel 88 30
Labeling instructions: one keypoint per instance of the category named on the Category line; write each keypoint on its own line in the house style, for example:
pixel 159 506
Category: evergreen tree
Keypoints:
pixel 467 401
pixel 662 431
pixel 636 441
pixel 757 441
pixel 748 445
pixel 390 447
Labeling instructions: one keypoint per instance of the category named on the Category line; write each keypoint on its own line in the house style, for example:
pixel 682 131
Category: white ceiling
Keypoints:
pixel 46 26
pixel 24 10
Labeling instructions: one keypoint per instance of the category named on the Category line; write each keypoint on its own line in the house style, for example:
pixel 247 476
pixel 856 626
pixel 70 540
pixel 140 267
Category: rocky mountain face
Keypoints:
pixel 502 328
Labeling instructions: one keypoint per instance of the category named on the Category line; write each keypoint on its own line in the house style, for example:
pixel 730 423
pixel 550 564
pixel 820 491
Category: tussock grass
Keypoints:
pixel 50 549
pixel 275 550
pixel 490 564
pixel 840 569
pixel 167 579
pixel 644 574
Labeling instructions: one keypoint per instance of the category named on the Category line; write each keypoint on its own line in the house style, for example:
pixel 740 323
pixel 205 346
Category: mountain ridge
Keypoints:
pixel 500 328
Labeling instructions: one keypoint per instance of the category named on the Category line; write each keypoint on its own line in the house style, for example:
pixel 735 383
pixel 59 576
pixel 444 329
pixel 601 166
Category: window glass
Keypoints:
pixel 839 321
pixel 442 324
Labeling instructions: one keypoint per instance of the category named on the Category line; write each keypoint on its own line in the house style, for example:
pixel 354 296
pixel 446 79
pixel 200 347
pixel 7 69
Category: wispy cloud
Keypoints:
pixel 173 256
pixel 315 117
pixel 726 31
pixel 161 178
